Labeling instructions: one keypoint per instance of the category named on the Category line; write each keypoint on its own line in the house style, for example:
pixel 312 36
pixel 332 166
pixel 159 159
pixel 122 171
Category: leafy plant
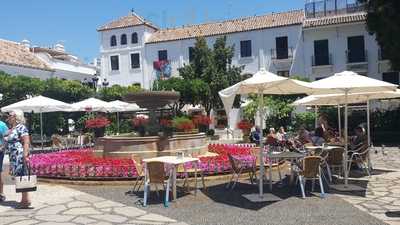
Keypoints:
pixel 183 124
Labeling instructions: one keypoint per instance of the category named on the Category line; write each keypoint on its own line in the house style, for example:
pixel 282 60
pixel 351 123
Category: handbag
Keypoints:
pixel 26 183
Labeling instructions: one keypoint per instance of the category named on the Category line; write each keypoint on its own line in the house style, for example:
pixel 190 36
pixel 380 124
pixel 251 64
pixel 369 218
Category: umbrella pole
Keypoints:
pixel 41 129
pixel 262 169
pixel 345 139
pixel 368 123
pixel 339 121
pixel 316 115
pixel 117 122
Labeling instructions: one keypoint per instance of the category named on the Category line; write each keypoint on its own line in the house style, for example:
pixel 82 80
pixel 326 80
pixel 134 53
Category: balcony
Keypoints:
pixel 322 60
pixel 357 61
pixel 282 54
pixel 321 8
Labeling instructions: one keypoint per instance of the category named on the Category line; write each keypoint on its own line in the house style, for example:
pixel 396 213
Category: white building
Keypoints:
pixel 309 43
pixel 22 59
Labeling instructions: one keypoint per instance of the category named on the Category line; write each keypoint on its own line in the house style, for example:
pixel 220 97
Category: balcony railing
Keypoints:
pixel 323 8
pixel 322 60
pixel 356 57
pixel 278 54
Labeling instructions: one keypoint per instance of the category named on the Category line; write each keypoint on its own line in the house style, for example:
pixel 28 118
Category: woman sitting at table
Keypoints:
pixel 271 137
pixel 281 135
pixel 318 138
pixel 303 137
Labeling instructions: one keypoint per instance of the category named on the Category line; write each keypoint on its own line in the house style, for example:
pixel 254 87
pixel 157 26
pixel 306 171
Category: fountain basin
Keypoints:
pixel 151 146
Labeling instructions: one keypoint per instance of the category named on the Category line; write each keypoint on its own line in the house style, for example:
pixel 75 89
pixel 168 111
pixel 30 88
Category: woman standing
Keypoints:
pixel 18 146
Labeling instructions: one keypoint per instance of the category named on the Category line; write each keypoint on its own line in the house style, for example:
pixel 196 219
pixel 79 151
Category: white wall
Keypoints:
pixel 17 70
pixel 125 75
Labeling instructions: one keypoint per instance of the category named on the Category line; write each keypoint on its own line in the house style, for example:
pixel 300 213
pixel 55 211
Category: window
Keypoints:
pixel 113 41
pixel 391 77
pixel 321 53
pixel 191 54
pixel 162 55
pixel 283 73
pixel 123 39
pixel 282 47
pixel 245 48
pixel 355 49
pixel 114 62
pixel 134 38
pixel 135 60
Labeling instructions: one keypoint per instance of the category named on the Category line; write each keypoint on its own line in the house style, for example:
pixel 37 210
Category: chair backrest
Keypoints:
pixel 335 156
pixel 55 139
pixel 156 172
pixel 234 163
pixel 138 164
pixel 311 166
pixel 363 150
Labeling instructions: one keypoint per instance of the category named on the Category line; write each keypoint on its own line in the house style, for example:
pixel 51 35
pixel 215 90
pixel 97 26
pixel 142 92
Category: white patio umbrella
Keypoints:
pixel 39 104
pixel 348 82
pixel 92 105
pixel 263 82
pixel 120 106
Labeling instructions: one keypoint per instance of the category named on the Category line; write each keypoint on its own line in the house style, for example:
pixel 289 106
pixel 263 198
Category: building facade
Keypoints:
pixel 311 43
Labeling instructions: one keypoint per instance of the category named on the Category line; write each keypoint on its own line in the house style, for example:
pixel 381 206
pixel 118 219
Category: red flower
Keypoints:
pixel 166 123
pixel 201 120
pixel 139 121
pixel 98 122
pixel 244 125
pixel 185 126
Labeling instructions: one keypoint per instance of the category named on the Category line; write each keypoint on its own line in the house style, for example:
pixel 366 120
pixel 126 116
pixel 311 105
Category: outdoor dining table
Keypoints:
pixel 290 156
pixel 174 161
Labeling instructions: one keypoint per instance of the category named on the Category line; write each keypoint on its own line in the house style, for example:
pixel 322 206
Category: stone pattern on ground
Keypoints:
pixel 382 195
pixel 55 204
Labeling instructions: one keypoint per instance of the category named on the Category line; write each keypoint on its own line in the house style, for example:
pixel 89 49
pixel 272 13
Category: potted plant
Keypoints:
pixel 183 124
pixel 202 122
pixel 98 124
pixel 139 123
pixel 166 127
pixel 245 126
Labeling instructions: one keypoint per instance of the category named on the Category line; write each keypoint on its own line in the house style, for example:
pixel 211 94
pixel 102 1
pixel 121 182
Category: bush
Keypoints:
pixel 182 124
pixel 210 132
pixel 306 119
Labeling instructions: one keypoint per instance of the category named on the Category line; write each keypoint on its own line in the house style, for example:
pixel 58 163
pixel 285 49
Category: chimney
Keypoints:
pixel 26 43
pixel 59 47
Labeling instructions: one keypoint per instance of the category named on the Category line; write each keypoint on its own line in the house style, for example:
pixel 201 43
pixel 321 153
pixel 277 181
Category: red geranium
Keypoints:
pixel 185 126
pixel 201 120
pixel 140 121
pixel 166 123
pixel 98 122
pixel 244 125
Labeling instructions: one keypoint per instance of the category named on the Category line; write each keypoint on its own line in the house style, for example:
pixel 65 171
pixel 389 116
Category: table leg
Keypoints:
pixel 291 172
pixel 174 183
pixel 195 178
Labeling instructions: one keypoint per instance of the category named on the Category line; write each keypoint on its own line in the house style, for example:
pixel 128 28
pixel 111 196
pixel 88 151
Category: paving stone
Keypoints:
pixel 180 223
pixel 75 204
pixel 129 211
pixel 144 222
pixel 101 223
pixel 58 201
pixel 25 222
pixel 55 218
pixel 89 198
pixel 110 218
pixel 106 210
pixel 388 199
pixel 396 202
pixel 155 217
pixel 11 219
pixel 82 211
pixel 83 220
pixel 51 210
pixel 55 223
pixel 16 213
pixel 107 204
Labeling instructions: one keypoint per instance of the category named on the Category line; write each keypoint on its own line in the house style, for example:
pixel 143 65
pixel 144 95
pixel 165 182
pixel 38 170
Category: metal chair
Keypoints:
pixel 137 160
pixel 156 176
pixel 237 169
pixel 360 156
pixel 311 171
pixel 188 171
pixel 324 165
pixel 256 153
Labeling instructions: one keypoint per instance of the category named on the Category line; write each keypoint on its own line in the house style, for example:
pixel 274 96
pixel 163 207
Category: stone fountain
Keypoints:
pixel 124 146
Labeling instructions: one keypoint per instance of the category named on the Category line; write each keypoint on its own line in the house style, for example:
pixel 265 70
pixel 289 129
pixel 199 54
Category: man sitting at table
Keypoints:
pixel 255 135
pixel 359 139
pixel 318 138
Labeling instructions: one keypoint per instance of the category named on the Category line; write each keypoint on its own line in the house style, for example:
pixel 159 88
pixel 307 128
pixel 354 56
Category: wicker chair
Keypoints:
pixel 335 160
pixel 156 176
pixel 237 169
pixel 360 156
pixel 311 171
pixel 140 172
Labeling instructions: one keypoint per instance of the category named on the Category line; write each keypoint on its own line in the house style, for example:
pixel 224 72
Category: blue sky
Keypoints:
pixel 74 22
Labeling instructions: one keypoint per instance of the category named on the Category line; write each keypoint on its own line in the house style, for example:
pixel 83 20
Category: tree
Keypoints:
pixel 116 92
pixel 214 68
pixel 383 21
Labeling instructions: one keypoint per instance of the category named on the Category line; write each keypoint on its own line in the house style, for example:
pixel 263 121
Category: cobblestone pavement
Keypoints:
pixel 382 196
pixel 55 204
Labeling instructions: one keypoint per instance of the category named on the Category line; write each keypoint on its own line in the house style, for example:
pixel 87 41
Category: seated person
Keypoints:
pixel 318 138
pixel 359 139
pixel 271 137
pixel 255 135
pixel 303 137
pixel 281 135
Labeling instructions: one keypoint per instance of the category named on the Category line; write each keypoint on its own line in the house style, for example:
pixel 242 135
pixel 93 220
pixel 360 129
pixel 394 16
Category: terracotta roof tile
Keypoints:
pixel 337 19
pixel 15 54
pixel 127 21
pixel 229 26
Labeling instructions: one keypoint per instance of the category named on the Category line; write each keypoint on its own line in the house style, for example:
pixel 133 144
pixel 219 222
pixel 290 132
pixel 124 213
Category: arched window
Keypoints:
pixel 134 39
pixel 123 39
pixel 113 41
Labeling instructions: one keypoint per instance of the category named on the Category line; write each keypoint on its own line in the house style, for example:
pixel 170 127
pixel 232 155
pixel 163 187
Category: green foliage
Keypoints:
pixel 116 92
pixel 383 21
pixel 66 90
pixel 306 119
